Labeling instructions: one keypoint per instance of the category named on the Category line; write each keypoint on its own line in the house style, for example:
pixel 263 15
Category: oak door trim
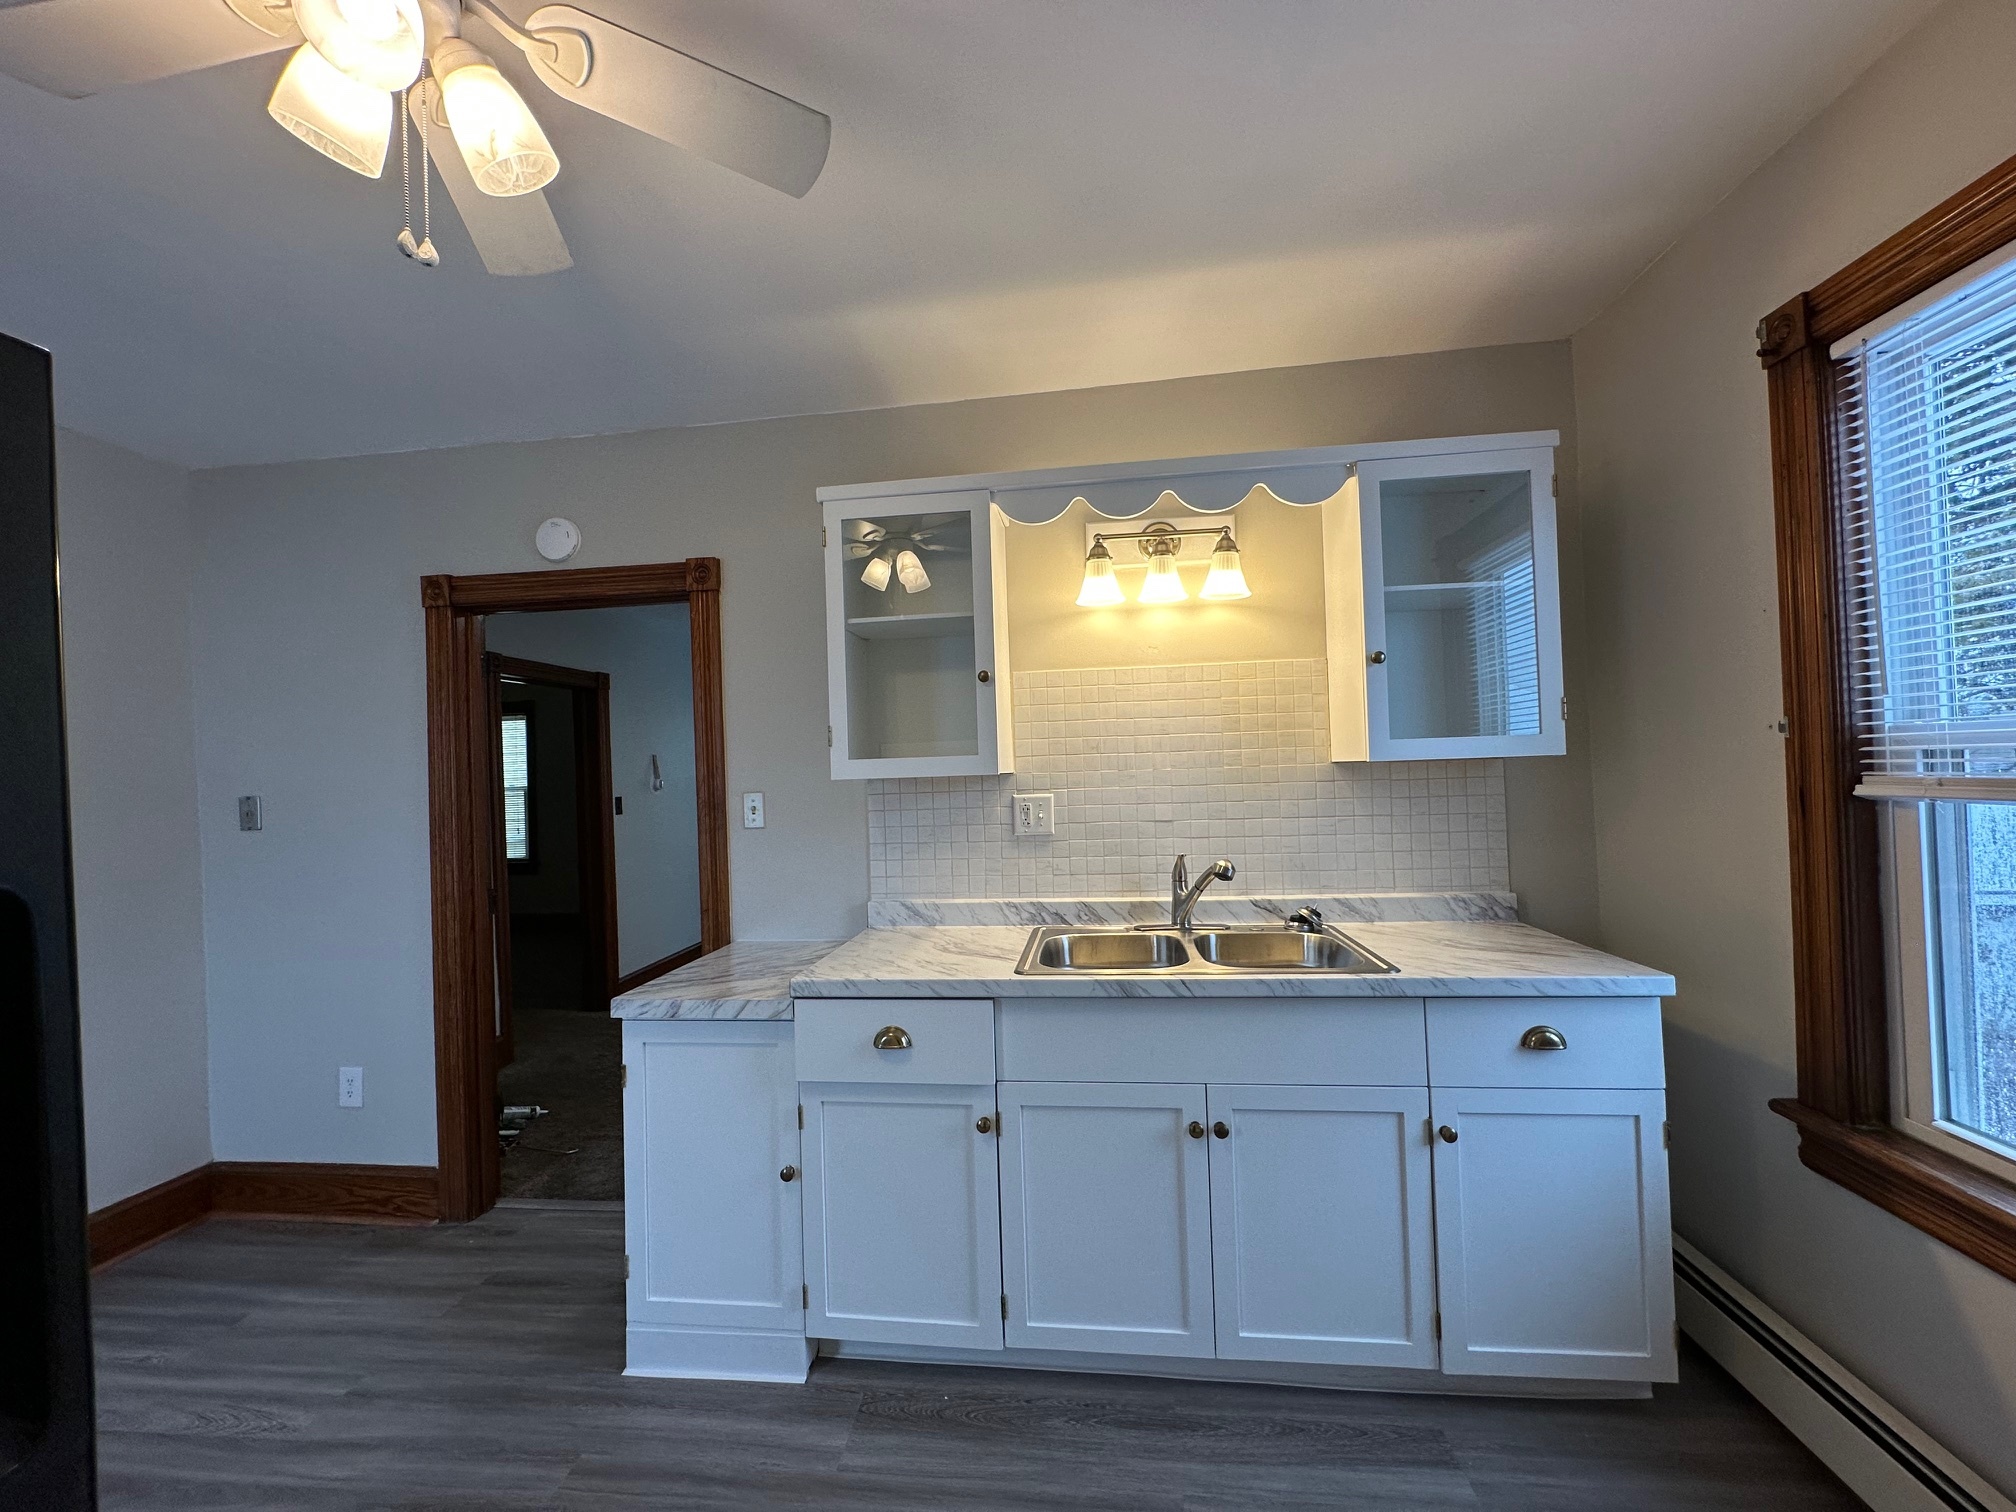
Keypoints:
pixel 459 835
pixel 1839 982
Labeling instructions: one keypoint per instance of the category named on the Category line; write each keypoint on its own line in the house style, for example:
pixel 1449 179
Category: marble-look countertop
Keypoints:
pixel 1215 907
pixel 1440 959
pixel 750 979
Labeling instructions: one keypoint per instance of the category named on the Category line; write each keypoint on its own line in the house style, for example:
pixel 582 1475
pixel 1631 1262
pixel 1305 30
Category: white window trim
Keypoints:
pixel 1914 1048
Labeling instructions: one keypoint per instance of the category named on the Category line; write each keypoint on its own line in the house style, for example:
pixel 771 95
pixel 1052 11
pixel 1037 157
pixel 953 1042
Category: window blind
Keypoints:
pixel 1505 639
pixel 517 779
pixel 1927 418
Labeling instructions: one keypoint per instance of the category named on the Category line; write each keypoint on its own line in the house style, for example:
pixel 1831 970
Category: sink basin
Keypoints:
pixel 1283 950
pixel 1061 950
pixel 1103 950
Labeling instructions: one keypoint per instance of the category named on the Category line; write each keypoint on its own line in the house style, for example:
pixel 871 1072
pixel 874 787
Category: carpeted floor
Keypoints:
pixel 570 1062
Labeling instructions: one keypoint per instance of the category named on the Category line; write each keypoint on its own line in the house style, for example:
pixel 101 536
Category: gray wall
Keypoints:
pixel 1690 792
pixel 311 686
pixel 129 708
pixel 648 653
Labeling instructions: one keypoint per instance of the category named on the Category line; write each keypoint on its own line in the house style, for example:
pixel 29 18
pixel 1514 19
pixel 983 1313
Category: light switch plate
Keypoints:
pixel 752 811
pixel 1035 814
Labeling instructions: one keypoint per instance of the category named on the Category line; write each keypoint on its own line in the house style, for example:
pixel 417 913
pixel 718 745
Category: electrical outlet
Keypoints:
pixel 350 1087
pixel 249 816
pixel 1035 814
pixel 752 811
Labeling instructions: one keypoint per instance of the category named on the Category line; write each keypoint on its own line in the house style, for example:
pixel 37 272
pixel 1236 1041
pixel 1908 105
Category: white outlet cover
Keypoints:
pixel 557 539
pixel 350 1087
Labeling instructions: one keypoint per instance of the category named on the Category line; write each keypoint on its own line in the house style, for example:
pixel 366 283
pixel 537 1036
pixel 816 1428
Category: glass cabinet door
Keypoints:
pixel 912 599
pixel 1462 628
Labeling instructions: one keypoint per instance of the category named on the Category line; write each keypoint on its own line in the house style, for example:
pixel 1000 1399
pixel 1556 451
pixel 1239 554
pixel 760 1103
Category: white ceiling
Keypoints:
pixel 1023 195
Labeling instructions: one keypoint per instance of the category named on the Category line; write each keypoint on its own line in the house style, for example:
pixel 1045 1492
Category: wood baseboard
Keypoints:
pixel 147 1217
pixel 656 969
pixel 261 1189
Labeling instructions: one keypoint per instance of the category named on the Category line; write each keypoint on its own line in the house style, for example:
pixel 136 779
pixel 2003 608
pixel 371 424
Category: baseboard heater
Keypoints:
pixel 1879 1453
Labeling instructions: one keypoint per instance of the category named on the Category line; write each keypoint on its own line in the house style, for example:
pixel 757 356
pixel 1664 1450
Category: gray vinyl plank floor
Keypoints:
pixel 326 1366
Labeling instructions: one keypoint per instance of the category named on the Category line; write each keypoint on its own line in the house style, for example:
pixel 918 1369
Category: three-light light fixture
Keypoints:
pixel 887 558
pixel 1162 543
pixel 337 93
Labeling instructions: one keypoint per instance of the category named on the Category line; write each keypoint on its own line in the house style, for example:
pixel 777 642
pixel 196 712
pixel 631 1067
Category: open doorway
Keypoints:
pixel 579 848
pixel 600 884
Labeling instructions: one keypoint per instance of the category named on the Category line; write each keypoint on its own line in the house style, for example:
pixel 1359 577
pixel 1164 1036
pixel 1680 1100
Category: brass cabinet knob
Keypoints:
pixel 892 1037
pixel 1196 1129
pixel 984 1124
pixel 1543 1037
pixel 1448 1134
pixel 1220 1130
pixel 1377 658
pixel 789 1173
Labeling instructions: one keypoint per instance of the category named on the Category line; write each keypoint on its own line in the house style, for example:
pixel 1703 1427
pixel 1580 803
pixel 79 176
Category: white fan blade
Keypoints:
pixel 686 102
pixel 76 48
pixel 515 237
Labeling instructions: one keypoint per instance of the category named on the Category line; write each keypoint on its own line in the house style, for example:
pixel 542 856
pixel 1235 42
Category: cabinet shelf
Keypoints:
pixel 909 626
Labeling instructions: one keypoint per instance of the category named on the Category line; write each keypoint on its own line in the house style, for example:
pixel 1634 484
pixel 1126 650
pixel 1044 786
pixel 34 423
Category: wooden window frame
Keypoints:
pixel 1839 979
pixel 462 823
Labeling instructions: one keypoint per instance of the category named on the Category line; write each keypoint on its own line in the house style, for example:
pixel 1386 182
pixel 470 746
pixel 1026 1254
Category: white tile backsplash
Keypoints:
pixel 1220 759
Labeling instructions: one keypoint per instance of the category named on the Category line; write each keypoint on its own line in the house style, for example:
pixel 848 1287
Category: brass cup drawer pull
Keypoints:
pixel 1543 1037
pixel 1221 1130
pixel 892 1037
pixel 1448 1134
pixel 1196 1129
pixel 789 1173
pixel 983 1125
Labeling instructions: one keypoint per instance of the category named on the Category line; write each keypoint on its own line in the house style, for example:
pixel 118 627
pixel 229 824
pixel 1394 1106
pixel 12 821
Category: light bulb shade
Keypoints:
pixel 1225 580
pixel 1163 585
pixel 343 120
pixel 1101 589
pixel 378 43
pixel 876 573
pixel 910 572
pixel 501 140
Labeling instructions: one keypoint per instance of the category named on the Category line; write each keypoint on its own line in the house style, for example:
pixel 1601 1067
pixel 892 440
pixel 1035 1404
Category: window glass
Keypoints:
pixel 1974 880
pixel 517 735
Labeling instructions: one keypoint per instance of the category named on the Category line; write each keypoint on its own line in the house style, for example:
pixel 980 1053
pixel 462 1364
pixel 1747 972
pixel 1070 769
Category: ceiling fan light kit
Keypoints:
pixel 347 122
pixel 337 94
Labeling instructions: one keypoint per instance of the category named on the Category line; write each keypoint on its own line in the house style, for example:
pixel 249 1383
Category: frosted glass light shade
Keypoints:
pixel 501 140
pixel 378 43
pixel 1163 585
pixel 1225 580
pixel 910 572
pixel 876 573
pixel 1101 589
pixel 345 121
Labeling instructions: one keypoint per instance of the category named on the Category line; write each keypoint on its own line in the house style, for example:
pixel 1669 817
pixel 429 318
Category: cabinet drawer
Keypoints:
pixel 1484 1042
pixel 951 1042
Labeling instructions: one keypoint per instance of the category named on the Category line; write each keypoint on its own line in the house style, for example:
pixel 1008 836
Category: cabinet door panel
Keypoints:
pixel 1105 1200
pixel 1322 1243
pixel 710 1117
pixel 1554 1245
pixel 902 1215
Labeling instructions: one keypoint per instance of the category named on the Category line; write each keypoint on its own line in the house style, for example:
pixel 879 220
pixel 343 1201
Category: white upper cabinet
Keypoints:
pixel 916 636
pixel 1443 608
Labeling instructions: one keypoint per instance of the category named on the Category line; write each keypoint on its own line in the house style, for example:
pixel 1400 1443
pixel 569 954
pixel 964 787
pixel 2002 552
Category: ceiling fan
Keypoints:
pixel 352 60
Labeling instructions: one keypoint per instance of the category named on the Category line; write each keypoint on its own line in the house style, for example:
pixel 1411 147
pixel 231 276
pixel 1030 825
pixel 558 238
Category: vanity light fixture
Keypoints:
pixel 1161 543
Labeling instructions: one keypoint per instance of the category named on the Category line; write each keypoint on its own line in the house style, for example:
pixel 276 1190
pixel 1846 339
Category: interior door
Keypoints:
pixel 1554 1245
pixel 1106 1217
pixel 1322 1245
pixel 902 1214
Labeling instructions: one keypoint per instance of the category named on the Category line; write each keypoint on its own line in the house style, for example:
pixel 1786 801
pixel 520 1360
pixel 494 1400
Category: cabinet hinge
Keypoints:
pixel 1666 1135
pixel 1553 488
pixel 626 1267
pixel 829 737
pixel 822 537
pixel 801 1115
pixel 805 1296
pixel 1564 708
pixel 626 1075
pixel 1004 1307
pixel 1438 1325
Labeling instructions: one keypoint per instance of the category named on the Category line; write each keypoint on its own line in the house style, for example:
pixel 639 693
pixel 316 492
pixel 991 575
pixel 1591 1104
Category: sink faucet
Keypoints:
pixel 1183 893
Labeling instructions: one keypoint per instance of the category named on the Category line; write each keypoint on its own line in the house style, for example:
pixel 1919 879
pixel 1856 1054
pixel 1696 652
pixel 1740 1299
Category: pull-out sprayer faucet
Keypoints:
pixel 1183 893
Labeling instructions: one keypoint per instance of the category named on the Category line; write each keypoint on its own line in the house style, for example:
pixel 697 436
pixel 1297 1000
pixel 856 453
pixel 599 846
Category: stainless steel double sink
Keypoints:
pixel 1252 949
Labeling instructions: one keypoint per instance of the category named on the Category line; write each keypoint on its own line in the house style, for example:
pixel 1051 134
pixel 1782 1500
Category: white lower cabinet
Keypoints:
pixel 902 1217
pixel 1554 1245
pixel 1106 1218
pixel 711 1232
pixel 1321 1225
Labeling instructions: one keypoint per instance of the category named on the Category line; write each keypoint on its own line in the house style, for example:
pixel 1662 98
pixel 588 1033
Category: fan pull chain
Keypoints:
pixel 423 251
